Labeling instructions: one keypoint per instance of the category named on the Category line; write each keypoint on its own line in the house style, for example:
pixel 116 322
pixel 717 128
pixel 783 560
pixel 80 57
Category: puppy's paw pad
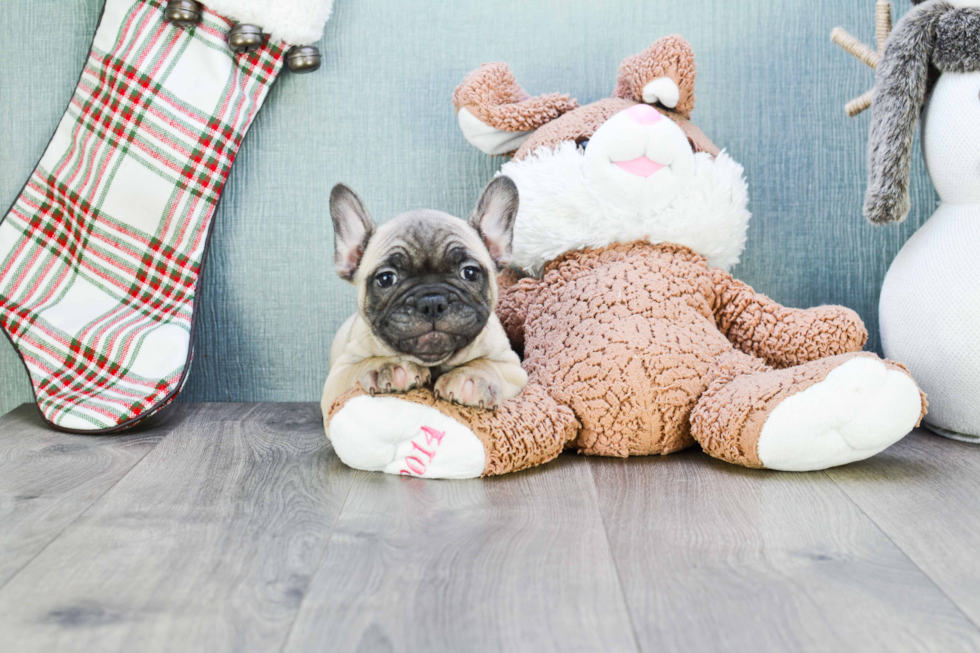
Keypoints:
pixel 386 434
pixel 469 389
pixel 859 410
pixel 395 377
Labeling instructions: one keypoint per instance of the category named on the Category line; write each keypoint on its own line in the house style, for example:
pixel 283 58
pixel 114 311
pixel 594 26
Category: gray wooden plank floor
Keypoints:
pixel 719 558
pixel 234 527
pixel 506 564
pixel 931 510
pixel 47 480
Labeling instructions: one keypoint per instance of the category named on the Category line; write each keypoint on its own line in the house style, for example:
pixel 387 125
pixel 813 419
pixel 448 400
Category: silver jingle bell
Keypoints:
pixel 185 13
pixel 245 38
pixel 303 59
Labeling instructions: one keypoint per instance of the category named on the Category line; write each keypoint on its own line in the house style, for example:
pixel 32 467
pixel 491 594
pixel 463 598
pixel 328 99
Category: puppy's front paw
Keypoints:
pixel 394 376
pixel 470 387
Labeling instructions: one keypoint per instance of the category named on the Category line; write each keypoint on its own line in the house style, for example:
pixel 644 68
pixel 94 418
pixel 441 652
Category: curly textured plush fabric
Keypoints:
pixel 671 57
pixel 574 126
pixel 729 417
pixel 782 336
pixel 630 337
pixel 508 278
pixel 491 93
pixel 524 433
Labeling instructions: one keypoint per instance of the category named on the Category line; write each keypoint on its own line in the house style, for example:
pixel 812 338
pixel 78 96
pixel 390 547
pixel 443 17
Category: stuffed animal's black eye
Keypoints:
pixel 584 144
pixel 470 273
pixel 386 279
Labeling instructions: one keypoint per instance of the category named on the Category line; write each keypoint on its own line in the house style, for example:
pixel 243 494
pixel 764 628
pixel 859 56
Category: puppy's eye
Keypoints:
pixel 386 279
pixel 470 273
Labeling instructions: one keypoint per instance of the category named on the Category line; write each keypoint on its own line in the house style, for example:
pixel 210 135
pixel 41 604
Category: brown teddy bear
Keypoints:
pixel 636 339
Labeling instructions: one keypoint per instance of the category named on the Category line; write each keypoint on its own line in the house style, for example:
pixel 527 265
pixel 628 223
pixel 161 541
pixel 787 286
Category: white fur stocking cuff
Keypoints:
pixel 297 22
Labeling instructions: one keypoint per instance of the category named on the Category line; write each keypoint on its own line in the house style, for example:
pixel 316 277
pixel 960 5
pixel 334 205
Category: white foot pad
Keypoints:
pixel 386 434
pixel 860 409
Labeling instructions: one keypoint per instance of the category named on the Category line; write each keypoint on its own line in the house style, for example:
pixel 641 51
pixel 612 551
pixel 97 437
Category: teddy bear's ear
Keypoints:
pixel 495 113
pixel 662 74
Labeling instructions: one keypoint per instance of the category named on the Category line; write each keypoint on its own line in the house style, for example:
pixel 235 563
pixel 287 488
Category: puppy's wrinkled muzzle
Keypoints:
pixel 433 346
pixel 432 323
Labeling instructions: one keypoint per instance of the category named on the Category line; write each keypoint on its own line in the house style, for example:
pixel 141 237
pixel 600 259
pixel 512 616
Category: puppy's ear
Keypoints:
pixel 494 218
pixel 900 92
pixel 352 229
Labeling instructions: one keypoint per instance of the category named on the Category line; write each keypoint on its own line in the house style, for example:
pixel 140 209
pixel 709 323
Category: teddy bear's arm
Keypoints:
pixel 515 300
pixel 782 336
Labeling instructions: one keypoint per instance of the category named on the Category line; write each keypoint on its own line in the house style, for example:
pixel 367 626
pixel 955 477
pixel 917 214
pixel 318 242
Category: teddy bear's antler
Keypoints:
pixel 883 28
pixel 496 115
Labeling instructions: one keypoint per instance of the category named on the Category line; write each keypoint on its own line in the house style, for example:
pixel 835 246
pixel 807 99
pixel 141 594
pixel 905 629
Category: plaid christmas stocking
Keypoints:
pixel 101 254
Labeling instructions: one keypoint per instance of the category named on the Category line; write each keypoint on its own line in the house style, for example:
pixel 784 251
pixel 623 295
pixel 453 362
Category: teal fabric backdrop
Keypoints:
pixel 378 117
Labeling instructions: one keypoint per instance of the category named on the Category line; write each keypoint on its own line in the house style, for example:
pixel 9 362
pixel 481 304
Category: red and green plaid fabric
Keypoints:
pixel 101 253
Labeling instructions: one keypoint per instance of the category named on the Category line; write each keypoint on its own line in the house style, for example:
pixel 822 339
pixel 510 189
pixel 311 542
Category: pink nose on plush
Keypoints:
pixel 644 114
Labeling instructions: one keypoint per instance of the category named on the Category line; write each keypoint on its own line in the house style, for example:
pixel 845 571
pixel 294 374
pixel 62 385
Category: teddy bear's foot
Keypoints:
pixel 828 412
pixel 395 436
pixel 860 409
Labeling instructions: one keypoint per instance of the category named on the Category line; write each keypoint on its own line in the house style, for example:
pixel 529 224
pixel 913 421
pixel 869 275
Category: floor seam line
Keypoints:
pixel 612 558
pixel 319 564
pixel 903 552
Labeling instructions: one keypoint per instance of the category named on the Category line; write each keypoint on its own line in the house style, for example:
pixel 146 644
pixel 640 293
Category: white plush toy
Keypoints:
pixel 930 301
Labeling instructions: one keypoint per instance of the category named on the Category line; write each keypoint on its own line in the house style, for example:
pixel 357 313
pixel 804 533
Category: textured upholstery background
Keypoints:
pixel 378 117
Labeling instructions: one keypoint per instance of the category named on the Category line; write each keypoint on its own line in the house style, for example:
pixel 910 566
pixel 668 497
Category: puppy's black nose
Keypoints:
pixel 432 306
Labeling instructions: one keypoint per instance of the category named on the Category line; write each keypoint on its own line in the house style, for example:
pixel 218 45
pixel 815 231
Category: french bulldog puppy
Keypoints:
pixel 426 292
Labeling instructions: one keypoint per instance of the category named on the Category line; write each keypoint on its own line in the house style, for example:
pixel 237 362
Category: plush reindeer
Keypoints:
pixel 636 339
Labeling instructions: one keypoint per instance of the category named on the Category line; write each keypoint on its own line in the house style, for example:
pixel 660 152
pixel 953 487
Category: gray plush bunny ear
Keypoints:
pixel 900 92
